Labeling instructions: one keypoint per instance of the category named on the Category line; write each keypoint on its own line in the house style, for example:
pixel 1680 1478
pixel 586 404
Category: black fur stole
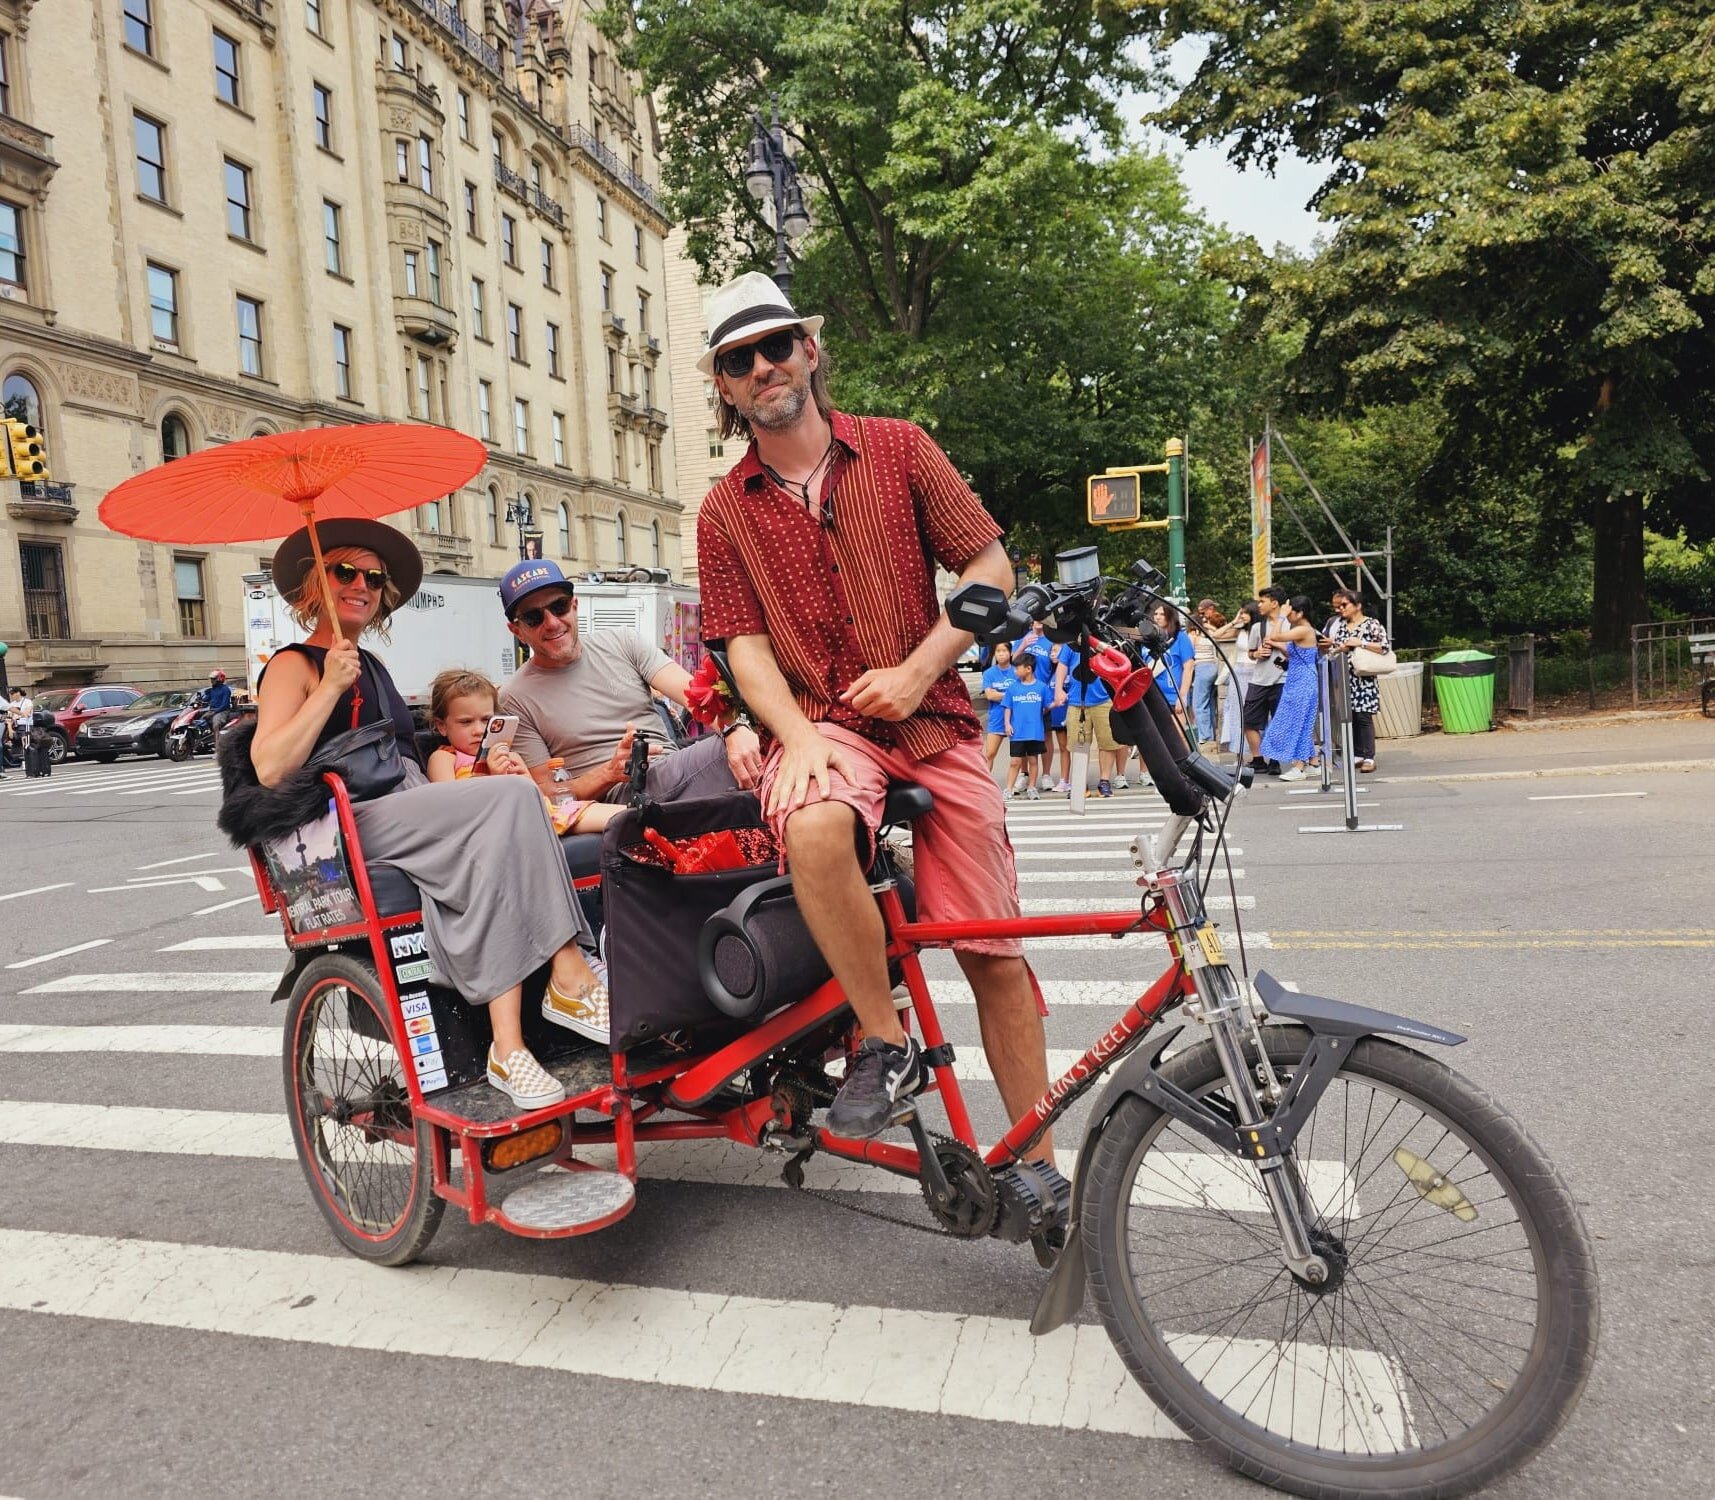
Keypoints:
pixel 251 813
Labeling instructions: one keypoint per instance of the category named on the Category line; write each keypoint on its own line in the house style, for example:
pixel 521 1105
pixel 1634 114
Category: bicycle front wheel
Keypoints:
pixel 1456 1329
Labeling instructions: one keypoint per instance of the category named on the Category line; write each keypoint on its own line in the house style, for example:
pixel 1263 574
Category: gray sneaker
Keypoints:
pixel 880 1078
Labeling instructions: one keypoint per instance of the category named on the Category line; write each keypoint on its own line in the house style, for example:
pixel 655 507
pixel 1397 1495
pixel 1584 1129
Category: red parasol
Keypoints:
pixel 268 486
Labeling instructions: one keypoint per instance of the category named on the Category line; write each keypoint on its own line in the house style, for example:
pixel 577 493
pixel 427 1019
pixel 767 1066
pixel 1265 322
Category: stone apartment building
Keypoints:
pixel 220 218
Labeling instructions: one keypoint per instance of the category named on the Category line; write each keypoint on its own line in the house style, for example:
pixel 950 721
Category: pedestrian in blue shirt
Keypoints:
pixel 1175 663
pixel 1026 726
pixel 1063 659
pixel 996 680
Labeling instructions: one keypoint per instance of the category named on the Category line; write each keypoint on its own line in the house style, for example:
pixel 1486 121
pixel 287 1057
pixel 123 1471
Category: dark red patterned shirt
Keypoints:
pixel 855 588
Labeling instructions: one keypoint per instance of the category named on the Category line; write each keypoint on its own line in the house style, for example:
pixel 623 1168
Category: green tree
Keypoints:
pixel 1523 194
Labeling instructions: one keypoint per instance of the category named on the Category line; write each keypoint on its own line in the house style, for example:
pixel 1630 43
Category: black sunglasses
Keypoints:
pixel 776 348
pixel 533 618
pixel 344 572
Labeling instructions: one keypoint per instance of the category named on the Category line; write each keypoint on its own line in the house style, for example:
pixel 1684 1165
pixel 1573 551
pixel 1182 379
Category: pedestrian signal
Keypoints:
pixel 24 450
pixel 1114 499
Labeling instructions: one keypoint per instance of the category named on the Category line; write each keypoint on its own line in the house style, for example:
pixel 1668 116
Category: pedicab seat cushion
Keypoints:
pixel 396 894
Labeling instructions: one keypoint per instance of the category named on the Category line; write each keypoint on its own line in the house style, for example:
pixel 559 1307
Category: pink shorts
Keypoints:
pixel 962 858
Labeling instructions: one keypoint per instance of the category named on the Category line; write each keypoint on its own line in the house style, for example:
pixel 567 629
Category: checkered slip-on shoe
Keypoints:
pixel 585 1012
pixel 524 1080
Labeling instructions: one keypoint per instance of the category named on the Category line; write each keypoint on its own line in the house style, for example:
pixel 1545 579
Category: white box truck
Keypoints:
pixel 456 622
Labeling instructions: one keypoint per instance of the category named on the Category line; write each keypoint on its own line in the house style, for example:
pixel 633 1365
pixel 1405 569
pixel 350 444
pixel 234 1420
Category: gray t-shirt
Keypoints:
pixel 1270 669
pixel 579 712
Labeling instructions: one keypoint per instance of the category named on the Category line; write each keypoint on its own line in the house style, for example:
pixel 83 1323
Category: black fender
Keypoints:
pixel 1334 1026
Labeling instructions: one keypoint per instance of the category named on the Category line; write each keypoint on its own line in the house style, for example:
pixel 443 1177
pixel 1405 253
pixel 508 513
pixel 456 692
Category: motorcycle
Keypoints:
pixel 193 731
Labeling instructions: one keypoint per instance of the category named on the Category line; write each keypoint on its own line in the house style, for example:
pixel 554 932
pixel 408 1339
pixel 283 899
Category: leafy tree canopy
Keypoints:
pixel 1525 195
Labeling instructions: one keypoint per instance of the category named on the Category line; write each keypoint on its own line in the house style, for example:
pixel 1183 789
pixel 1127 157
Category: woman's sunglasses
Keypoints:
pixel 533 618
pixel 344 572
pixel 776 348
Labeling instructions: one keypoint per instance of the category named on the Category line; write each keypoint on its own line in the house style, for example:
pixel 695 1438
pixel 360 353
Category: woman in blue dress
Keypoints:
pixel 1291 733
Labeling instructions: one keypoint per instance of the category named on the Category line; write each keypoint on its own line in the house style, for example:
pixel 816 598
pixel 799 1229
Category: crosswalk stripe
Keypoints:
pixel 944 1364
pixel 232 942
pixel 168 1041
pixel 1041 907
pixel 1117 876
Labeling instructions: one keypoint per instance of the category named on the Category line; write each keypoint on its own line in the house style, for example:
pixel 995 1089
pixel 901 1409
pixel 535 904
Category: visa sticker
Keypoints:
pixel 414 1005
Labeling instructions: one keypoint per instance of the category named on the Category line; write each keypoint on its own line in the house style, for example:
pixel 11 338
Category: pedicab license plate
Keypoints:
pixel 1211 943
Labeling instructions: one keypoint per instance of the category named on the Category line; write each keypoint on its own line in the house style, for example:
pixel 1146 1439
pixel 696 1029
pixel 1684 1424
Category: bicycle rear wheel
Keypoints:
pixel 1456 1330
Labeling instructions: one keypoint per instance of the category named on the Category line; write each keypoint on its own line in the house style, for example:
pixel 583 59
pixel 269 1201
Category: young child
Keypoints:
pixel 996 680
pixel 460 705
pixel 1026 725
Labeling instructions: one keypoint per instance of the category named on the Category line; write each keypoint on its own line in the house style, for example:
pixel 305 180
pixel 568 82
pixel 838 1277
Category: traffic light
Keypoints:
pixel 1114 498
pixel 24 451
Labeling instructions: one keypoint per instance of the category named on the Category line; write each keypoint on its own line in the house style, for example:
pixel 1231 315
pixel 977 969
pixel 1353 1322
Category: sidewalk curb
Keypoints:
pixel 1631 768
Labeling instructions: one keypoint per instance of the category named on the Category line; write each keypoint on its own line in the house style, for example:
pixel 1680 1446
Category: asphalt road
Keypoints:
pixel 1572 939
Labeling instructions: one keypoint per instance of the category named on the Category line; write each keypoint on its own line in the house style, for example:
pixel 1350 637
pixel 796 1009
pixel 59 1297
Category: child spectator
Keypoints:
pixel 1026 726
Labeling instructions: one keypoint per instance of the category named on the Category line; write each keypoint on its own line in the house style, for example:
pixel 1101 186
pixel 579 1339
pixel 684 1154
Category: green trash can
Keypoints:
pixel 1465 690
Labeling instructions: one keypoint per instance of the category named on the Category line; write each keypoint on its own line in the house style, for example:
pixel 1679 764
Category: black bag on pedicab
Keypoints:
pixel 655 916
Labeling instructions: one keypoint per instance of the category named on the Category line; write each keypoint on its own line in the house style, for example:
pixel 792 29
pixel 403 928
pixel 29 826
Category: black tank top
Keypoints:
pixel 373 695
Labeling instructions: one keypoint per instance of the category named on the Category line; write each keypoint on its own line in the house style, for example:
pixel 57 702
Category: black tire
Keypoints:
pixel 178 749
pixel 370 1173
pixel 59 747
pixel 1540 1284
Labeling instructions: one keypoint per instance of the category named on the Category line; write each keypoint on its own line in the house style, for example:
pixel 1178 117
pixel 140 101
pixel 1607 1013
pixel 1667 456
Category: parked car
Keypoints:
pixel 71 706
pixel 140 728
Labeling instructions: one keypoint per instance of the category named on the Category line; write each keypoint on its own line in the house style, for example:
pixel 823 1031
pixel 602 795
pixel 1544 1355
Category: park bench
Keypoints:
pixel 1703 652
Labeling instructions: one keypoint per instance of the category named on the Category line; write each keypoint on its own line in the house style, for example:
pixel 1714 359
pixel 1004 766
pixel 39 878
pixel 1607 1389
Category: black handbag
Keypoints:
pixel 366 759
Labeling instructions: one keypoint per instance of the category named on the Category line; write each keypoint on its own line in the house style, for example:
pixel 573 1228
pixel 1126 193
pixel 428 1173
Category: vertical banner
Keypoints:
pixel 1262 518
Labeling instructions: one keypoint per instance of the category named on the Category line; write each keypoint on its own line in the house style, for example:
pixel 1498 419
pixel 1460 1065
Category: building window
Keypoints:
pixel 464 115
pixel 548 264
pixel 163 304
pixel 521 426
pixel 411 273
pixel 497 144
pixel 12 265
pixel 606 290
pixel 47 616
pixel 426 165
pixel 515 331
pixel 175 438
pixel 553 336
pixel 250 336
pixel 612 372
pixel 140 26
pixel 478 315
pixel 485 411
pixel 494 515
pixel 400 53
pixel 643 312
pixel 655 541
pixel 654 453
pixel 19 398
pixel 187 583
pixel 402 160
pixel 536 174
pixel 313 16
pixel 601 216
pixel 509 240
pixel 619 454
pixel 717 448
pixel 565 529
pixel 424 387
pixel 342 361
pixel 434 251
pixel 150 137
pixel 238 223
pixel 331 253
pixel 429 516
pixel 321 100
pixel 558 427
pixel 637 243
pixel 470 210
pixel 5 73
pixel 226 70
pixel 619 537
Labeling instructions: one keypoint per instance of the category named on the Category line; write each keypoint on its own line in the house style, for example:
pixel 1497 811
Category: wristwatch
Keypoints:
pixel 733 728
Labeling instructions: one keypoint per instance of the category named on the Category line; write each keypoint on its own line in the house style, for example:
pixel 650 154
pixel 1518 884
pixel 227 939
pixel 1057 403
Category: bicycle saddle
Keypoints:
pixel 905 801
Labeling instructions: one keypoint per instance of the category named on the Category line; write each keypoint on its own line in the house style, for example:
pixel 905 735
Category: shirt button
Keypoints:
pixel 833 567
pixel 850 620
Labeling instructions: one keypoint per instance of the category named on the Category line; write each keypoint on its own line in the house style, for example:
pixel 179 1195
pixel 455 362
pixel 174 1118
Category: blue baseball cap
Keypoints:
pixel 528 576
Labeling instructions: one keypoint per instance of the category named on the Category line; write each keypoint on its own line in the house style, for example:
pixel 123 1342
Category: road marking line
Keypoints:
pixel 209 911
pixel 30 963
pixel 1584 796
pixel 209 883
pixel 1300 807
pixel 158 780
pixel 229 982
pixel 1046 908
pixel 1097 877
pixel 1450 945
pixel 936 1363
pixel 183 859
pixel 35 890
pixel 270 941
pixel 197 791
pixel 166 1041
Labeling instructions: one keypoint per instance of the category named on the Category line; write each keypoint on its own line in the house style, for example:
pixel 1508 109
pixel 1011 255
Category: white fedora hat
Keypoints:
pixel 746 308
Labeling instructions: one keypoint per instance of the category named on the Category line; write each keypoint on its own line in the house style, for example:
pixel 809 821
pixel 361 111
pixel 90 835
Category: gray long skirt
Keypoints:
pixel 497 902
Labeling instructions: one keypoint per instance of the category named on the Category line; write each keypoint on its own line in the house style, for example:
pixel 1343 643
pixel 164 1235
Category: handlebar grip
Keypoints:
pixel 1179 792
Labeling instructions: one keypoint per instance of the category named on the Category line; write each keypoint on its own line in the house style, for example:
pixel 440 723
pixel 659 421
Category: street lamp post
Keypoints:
pixel 771 175
pixel 518 514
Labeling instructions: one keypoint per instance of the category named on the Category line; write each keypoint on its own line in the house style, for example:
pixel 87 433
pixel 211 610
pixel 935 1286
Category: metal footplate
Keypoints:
pixel 565 1203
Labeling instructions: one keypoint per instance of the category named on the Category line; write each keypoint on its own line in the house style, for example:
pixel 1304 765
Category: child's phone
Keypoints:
pixel 500 731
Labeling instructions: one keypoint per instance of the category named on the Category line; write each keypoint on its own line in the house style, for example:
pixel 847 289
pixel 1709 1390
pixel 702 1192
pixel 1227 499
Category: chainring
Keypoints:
pixel 973 1212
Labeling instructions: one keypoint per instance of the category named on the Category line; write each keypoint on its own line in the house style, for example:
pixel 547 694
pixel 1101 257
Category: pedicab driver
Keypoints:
pixel 813 560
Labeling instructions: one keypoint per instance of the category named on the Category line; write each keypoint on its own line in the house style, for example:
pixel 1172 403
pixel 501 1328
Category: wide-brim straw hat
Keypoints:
pixel 746 308
pixel 398 554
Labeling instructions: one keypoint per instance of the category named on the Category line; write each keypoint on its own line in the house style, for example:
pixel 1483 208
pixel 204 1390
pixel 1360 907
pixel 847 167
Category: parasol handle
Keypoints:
pixel 308 509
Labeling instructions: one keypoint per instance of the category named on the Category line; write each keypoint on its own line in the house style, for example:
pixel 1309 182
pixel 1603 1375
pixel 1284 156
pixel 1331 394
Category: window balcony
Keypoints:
pixel 426 322
pixel 448 19
pixel 533 198
pixel 39 500
pixel 444 549
pixel 30 152
pixel 634 184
